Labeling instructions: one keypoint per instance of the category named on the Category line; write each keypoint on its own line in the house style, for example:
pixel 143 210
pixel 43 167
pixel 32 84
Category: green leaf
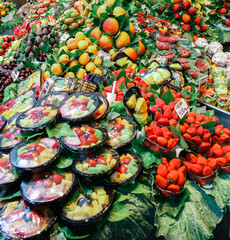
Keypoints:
pixel 108 63
pixel 118 107
pixel 123 87
pixel 59 130
pixel 118 212
pixel 167 97
pixel 70 235
pixel 148 156
pixel 121 198
pixel 28 135
pixel 112 115
pixel 64 162
pixel 9 194
pixel 177 132
pixel 139 189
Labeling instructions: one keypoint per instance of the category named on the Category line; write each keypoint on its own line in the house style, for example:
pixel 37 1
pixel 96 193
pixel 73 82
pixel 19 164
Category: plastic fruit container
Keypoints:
pixel 103 108
pixel 3 122
pixel 88 138
pixel 47 187
pixel 52 99
pixel 8 138
pixel 130 165
pixel 120 136
pixel 96 165
pixel 225 169
pixel 169 194
pixel 20 221
pixel 79 107
pixel 205 182
pixel 87 207
pixel 7 177
pixel 36 156
pixel 37 118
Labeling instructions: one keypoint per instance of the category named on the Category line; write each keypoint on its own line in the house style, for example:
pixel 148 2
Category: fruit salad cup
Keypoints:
pixel 79 107
pixel 130 165
pixel 20 221
pixel 87 207
pixel 96 165
pixel 37 118
pixel 37 155
pixel 3 122
pixel 103 109
pixel 52 99
pixel 47 187
pixel 122 132
pixel 88 138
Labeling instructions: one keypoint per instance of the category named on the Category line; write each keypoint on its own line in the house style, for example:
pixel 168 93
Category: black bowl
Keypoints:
pixel 102 99
pixel 14 158
pixel 94 219
pixel 88 117
pixel 96 176
pixel 5 122
pixel 88 149
pixel 40 127
pixel 28 183
pixel 39 102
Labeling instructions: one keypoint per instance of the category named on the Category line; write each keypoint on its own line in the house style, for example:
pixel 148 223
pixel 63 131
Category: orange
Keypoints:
pixel 3 13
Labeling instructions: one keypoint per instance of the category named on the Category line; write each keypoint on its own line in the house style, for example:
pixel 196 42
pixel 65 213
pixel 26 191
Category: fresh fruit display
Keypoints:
pixel 157 76
pixel 6 9
pixel 6 43
pixel 37 117
pixel 8 139
pixel 87 138
pixel 19 104
pixel 221 134
pixel 128 168
pixel 79 106
pixel 86 205
pixel 30 156
pixel 7 176
pixel 122 132
pixel 170 178
pixel 18 220
pixel 102 162
pixel 200 169
pixel 5 80
pixel 51 99
pixel 42 7
pixel 48 186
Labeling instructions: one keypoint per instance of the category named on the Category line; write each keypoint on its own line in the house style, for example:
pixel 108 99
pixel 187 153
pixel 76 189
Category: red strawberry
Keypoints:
pixel 57 178
pixel 83 140
pixel 163 121
pixel 200 131
pixel 162 141
pixel 92 139
pixel 160 102
pixel 197 140
pixel 162 170
pixel 92 163
pixel 158 115
pixel 207 171
pixel 192 131
pixel 157 131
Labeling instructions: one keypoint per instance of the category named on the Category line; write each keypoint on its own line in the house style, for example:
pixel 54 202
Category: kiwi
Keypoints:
pixel 62 19
pixel 74 14
pixel 64 28
pixel 68 21
pixel 81 21
pixel 57 27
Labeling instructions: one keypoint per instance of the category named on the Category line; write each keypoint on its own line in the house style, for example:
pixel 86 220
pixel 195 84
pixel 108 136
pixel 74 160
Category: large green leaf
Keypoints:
pixel 118 212
pixel 59 130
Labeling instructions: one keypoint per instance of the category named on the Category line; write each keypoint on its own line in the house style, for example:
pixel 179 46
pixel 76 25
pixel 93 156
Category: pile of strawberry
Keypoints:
pixel 221 134
pixel 170 176
pixel 161 136
pixel 200 169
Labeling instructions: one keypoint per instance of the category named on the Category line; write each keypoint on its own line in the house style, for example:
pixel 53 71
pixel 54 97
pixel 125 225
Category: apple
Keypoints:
pixel 192 11
pixel 222 11
pixel 6 39
pixel 176 8
pixel 12 38
pixel 227 22
pixel 186 4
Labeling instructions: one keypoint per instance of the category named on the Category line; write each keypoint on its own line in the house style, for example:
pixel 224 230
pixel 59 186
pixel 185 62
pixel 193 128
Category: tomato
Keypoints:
pixel 57 178
pixel 123 169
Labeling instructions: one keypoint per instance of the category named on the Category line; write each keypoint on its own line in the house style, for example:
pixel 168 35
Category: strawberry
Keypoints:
pixel 152 124
pixel 160 102
pixel 181 179
pixel 182 170
pixel 162 141
pixel 187 136
pixel 157 131
pixel 212 163
pixel 92 163
pixel 167 114
pixel 202 161
pixel 57 178
pixel 83 140
pixel 172 122
pixel 79 132
pixel 90 130
pixel 196 169
pixel 190 120
pixel 207 171
pixel 207 137
pixel 126 160
pixel 155 108
pixel 192 131
pixel 226 131
pixel 218 129
pixel 163 121
pixel 92 139
pixel 183 129
pixel 197 140
pixel 173 176
pixel 148 131
pixel 205 145
pixel 119 127
pixel 176 162
pixel 191 114
pixel 123 169
pixel 101 160
pixel 174 188
pixel 161 182
pixel 158 115
pixel 200 131
pixel 223 137
pixel 162 170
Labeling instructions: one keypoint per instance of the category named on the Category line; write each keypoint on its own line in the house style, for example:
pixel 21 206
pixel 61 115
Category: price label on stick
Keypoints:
pixel 15 74
pixel 64 37
pixel 182 108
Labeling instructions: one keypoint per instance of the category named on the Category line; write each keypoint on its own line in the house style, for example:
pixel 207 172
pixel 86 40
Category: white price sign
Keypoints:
pixel 64 37
pixel 136 26
pixel 203 85
pixel 103 55
pixel 182 108
pixel 15 74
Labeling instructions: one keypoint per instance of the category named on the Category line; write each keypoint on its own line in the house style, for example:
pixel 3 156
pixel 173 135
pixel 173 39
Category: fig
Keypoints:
pixel 45 31
pixel 46 25
pixel 38 40
pixel 29 43
pixel 45 38
pixel 30 36
pixel 41 44
pixel 31 55
pixel 27 51
pixel 52 41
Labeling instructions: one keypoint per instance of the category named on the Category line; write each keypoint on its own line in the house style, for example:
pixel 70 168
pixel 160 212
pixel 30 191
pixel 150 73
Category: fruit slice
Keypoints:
pixel 50 143
pixel 53 192
pixel 27 228
pixel 73 141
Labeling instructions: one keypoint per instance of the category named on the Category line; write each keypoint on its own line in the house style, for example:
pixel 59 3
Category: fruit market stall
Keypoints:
pixel 115 121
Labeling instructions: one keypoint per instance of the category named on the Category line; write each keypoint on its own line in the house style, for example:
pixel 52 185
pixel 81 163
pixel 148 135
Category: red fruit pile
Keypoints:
pixel 201 66
pixel 20 31
pixel 221 134
pixel 162 136
pixel 7 42
pixel 170 176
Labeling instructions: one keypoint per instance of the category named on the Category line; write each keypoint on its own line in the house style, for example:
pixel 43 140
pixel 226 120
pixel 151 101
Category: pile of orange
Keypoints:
pixel 4 9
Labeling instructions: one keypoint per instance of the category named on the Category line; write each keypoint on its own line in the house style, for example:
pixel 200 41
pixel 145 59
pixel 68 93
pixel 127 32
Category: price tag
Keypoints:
pixel 103 55
pixel 178 77
pixel 136 26
pixel 203 85
pixel 49 83
pixel 163 61
pixel 15 74
pixel 182 108
pixel 64 37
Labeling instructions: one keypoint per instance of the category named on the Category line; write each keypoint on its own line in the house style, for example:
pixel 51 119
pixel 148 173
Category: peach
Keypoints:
pixel 56 69
pixel 84 58
pixel 141 47
pixel 98 71
pixel 79 36
pixel 73 63
pixel 70 75
pixel 72 44
pixel 64 58
pixel 96 33
pixel 118 11
pixel 64 48
pixel 92 49
pixel 111 26
pixel 101 9
pixel 97 61
pixel 131 28
pixel 81 73
pixel 83 44
pixel 131 52
pixel 106 42
pixel 90 67
pixel 122 40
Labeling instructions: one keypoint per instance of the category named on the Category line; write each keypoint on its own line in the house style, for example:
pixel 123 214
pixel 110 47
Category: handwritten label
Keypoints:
pixel 15 74
pixel 203 85
pixel 103 55
pixel 64 37
pixel 181 108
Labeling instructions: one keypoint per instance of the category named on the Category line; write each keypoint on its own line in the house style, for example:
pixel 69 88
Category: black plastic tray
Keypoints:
pixel 39 102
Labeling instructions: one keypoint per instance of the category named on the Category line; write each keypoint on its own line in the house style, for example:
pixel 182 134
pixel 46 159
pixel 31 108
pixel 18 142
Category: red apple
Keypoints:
pixel 6 39
pixel 192 11
pixel 197 20
pixel 186 4
pixel 186 27
pixel 5 45
pixel 176 8
pixel 227 22
pixel 222 11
